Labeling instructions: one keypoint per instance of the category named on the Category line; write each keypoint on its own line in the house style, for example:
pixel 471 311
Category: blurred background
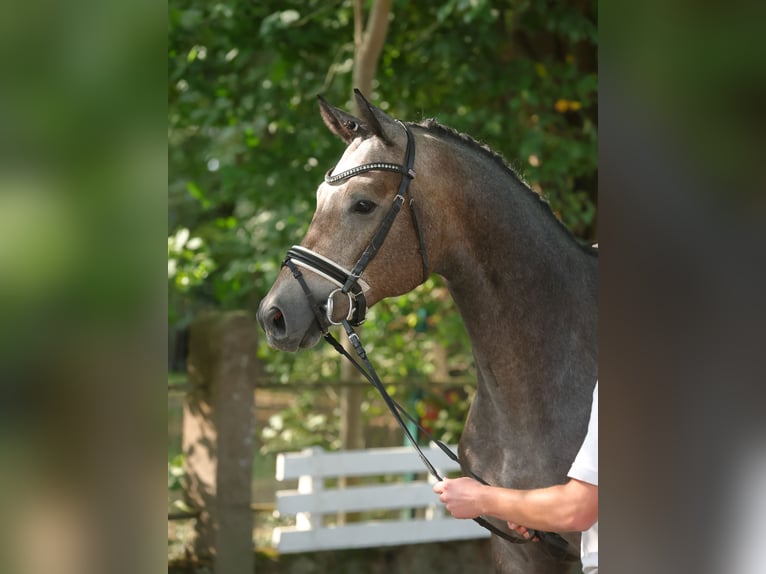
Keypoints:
pixel 123 124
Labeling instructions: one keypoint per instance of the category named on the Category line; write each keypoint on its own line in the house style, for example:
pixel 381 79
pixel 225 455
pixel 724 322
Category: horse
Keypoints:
pixel 525 287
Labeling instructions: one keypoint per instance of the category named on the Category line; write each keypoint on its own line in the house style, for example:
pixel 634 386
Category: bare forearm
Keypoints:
pixel 567 507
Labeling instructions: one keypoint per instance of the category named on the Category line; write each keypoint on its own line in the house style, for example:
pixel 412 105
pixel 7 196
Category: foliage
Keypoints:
pixel 247 148
pixel 299 426
pixel 176 473
pixel 439 409
pixel 442 413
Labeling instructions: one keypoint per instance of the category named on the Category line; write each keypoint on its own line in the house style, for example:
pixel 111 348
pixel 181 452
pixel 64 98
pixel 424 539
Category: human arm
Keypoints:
pixel 572 506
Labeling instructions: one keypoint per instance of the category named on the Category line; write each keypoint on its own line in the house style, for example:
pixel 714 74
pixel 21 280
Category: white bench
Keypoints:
pixel 313 500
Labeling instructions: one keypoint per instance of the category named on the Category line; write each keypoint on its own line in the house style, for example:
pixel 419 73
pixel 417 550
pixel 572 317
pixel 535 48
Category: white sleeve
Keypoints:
pixel 585 465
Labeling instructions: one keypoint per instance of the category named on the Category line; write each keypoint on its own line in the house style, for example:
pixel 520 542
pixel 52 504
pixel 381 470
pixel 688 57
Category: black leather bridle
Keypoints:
pixel 350 284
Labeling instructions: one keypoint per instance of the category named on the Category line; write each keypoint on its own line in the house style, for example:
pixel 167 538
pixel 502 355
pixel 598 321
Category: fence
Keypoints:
pixel 314 503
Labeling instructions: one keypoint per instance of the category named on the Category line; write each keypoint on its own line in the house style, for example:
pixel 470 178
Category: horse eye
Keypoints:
pixel 363 206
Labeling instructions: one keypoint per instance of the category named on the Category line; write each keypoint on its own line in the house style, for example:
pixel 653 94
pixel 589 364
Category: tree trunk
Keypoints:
pixel 368 43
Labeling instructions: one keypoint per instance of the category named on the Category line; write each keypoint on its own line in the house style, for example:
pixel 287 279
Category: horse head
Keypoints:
pixel 353 203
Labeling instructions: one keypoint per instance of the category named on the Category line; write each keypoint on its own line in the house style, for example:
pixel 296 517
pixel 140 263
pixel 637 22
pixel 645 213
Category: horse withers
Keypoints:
pixel 525 287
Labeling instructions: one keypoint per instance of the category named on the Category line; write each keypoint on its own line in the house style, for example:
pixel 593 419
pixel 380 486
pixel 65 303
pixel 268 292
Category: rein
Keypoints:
pixel 350 284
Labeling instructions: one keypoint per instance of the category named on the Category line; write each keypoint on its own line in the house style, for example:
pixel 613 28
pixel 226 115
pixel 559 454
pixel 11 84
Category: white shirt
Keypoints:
pixel 585 468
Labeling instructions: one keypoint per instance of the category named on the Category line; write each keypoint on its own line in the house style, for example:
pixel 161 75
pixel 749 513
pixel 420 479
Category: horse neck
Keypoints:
pixel 524 287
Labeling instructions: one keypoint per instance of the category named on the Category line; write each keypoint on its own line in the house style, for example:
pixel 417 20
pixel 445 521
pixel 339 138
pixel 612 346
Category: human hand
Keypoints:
pixel 522 530
pixel 461 496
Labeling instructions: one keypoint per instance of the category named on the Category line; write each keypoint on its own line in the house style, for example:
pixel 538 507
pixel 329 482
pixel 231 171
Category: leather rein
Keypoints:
pixel 349 284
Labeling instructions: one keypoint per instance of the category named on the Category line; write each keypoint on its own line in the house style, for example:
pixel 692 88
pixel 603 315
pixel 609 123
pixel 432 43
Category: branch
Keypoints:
pixel 368 50
pixel 358 24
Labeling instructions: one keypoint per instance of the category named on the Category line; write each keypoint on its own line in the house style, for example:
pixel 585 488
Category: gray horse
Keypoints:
pixel 525 287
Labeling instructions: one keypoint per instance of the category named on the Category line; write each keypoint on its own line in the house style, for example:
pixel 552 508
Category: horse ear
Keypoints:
pixel 343 125
pixel 373 117
pixel 348 127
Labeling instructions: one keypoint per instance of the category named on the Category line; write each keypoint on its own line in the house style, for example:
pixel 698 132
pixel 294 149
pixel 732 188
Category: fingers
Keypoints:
pixel 441 486
pixel 521 530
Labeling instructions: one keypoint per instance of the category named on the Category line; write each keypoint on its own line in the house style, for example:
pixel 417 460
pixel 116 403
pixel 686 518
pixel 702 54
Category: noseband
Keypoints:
pixel 350 285
pixel 349 282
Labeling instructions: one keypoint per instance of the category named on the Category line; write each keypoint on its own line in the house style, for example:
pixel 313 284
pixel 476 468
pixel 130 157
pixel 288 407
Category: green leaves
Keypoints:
pixel 176 473
pixel 189 262
pixel 198 194
pixel 279 20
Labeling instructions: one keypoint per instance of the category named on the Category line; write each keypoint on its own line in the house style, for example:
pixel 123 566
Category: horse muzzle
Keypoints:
pixel 286 319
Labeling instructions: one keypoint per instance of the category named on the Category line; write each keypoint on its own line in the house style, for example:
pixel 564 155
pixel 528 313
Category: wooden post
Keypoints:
pixel 218 434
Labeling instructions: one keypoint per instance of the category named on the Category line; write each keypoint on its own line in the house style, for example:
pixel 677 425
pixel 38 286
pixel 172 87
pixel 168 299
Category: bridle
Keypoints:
pixel 349 284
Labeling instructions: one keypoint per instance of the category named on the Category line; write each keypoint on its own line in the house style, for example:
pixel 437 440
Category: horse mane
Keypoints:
pixel 433 126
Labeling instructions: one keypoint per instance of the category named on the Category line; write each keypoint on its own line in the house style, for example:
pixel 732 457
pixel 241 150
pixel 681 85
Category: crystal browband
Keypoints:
pixel 331 179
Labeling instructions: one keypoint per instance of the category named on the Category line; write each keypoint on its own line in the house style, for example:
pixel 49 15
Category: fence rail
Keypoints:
pixel 314 500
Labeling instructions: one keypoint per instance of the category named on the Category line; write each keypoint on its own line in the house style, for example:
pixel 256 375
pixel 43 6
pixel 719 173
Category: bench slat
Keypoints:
pixel 382 496
pixel 373 534
pixel 396 460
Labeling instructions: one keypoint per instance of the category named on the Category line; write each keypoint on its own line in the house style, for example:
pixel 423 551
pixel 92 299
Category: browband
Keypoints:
pixel 349 173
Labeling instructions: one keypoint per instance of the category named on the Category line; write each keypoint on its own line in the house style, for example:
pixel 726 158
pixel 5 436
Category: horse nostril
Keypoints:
pixel 277 322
